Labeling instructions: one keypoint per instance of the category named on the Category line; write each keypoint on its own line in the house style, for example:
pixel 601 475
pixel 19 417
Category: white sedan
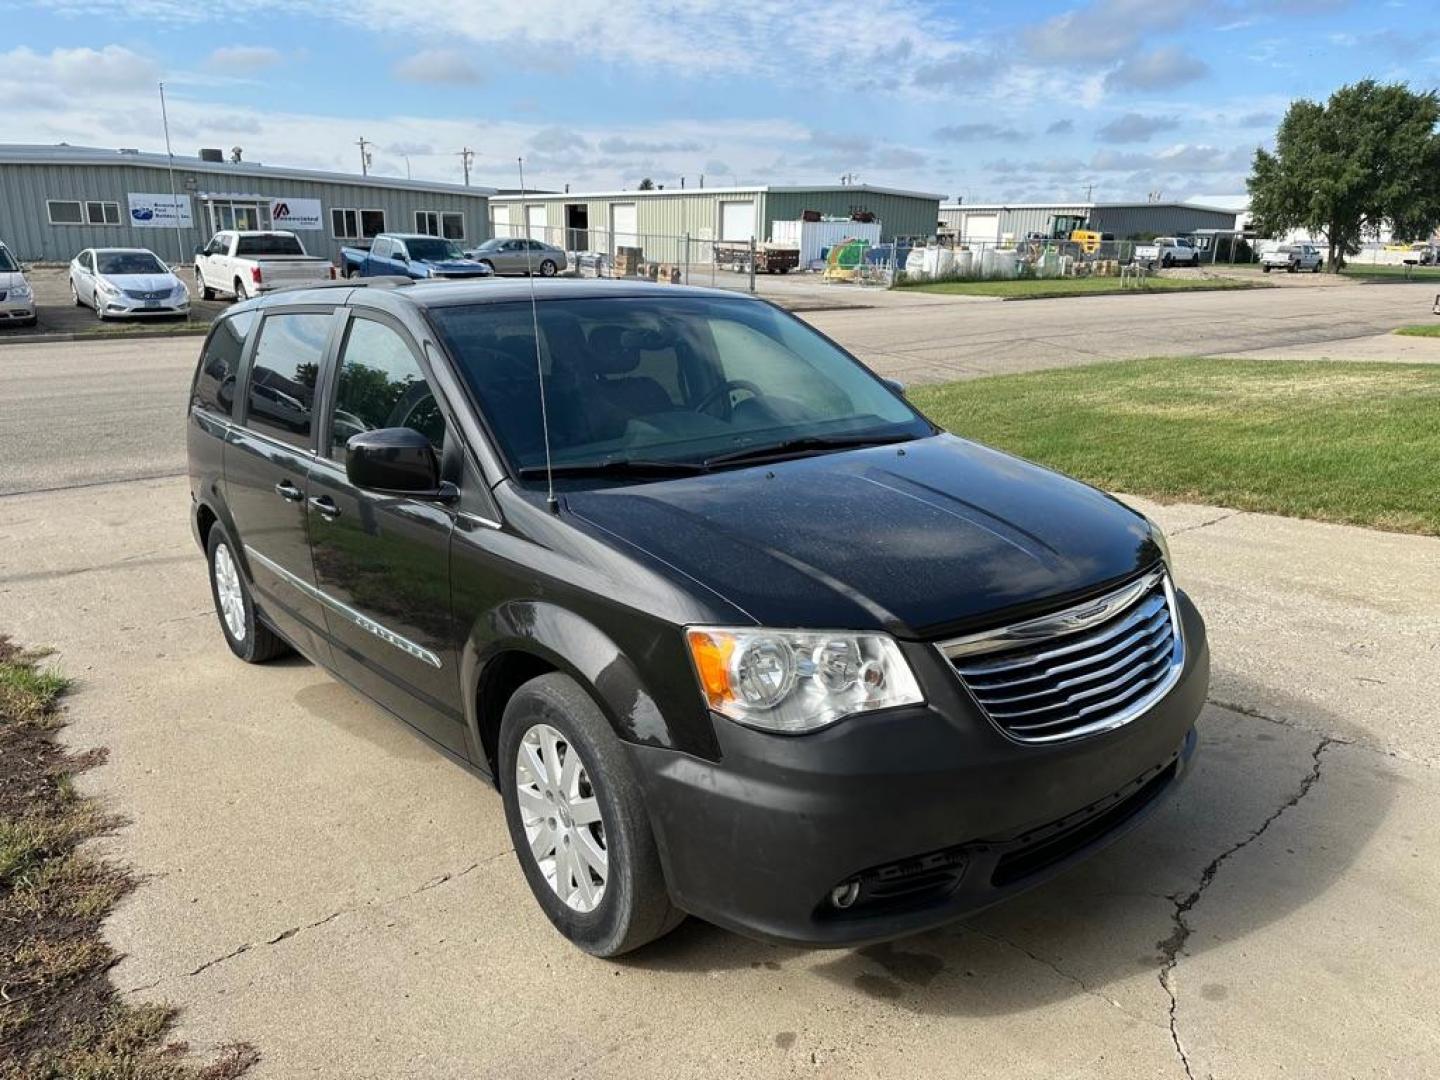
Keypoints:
pixel 124 282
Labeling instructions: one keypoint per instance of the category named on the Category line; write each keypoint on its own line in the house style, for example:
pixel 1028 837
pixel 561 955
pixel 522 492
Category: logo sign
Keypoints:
pixel 295 213
pixel 160 211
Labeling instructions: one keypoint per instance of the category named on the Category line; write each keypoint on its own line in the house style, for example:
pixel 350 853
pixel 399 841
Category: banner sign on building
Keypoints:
pixel 160 211
pixel 295 213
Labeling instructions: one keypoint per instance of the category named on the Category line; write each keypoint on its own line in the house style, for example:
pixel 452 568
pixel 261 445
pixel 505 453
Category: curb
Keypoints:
pixel 118 335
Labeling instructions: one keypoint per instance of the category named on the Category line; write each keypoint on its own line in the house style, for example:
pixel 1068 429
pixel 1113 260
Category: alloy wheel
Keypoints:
pixel 561 817
pixel 228 592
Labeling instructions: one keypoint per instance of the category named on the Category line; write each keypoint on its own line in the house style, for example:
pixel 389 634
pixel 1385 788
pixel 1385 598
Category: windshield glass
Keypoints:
pixel 128 262
pixel 489 245
pixel 434 250
pixel 7 263
pixel 652 379
pixel 269 244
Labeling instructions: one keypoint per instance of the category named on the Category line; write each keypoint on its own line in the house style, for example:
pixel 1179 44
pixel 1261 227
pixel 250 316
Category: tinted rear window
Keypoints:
pixel 269 245
pixel 219 364
pixel 284 372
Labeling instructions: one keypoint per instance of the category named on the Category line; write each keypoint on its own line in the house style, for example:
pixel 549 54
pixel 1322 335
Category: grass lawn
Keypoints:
pixel 1044 288
pixel 1355 443
pixel 1393 273
pixel 1423 330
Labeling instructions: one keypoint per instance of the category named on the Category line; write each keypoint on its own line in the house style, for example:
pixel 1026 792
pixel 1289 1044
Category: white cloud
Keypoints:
pixel 113 67
pixel 243 59
pixel 439 66
pixel 1133 127
pixel 1169 65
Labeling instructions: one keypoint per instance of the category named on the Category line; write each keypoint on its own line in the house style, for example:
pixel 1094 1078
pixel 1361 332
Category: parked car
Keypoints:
pixel 1422 253
pixel 1168 251
pixel 1293 258
pixel 410 255
pixel 519 255
pixel 243 264
pixel 123 283
pixel 17 299
pixel 736 631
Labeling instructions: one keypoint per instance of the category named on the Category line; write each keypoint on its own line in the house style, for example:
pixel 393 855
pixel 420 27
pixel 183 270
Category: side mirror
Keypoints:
pixel 199 249
pixel 400 256
pixel 896 385
pixel 395 461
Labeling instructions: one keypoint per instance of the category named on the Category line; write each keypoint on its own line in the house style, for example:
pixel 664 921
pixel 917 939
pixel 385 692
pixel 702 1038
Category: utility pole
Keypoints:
pixel 364 155
pixel 1089 191
pixel 407 165
pixel 466 156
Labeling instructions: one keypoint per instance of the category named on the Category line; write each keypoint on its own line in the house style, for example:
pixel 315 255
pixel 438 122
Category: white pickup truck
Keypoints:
pixel 245 264
pixel 1168 251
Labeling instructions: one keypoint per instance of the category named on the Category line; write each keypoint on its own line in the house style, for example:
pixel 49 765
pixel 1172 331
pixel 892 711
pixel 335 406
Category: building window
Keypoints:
pixel 452 226
pixel 76 212
pixel 427 222
pixel 372 223
pixel 344 224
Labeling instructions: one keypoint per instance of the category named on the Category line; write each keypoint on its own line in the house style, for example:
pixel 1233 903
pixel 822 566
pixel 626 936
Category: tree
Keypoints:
pixel 647 184
pixel 1369 156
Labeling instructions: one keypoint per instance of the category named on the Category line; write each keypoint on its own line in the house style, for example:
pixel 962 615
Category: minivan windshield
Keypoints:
pixel 128 262
pixel 656 381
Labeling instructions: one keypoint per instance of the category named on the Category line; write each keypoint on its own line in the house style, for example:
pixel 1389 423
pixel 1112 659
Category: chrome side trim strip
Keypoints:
pixel 365 623
pixel 1069 621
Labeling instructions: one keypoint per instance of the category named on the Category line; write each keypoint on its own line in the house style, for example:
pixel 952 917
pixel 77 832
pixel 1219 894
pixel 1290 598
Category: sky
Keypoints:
pixel 1022 101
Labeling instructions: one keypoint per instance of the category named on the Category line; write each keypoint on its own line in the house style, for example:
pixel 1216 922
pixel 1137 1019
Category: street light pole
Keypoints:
pixel 174 200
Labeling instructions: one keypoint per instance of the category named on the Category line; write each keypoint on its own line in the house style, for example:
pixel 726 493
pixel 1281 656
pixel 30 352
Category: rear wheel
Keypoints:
pixel 352 272
pixel 248 638
pixel 578 822
pixel 1167 262
pixel 1266 268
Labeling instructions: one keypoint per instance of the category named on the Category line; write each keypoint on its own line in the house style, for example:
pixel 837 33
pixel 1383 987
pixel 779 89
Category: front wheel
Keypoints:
pixel 577 819
pixel 1266 268
pixel 241 293
pixel 547 268
pixel 75 296
pixel 488 265
pixel 206 292
pixel 1315 269
pixel 1167 262
pixel 248 638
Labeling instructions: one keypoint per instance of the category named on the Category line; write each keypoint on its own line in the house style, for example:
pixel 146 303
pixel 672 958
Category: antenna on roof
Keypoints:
pixel 539 363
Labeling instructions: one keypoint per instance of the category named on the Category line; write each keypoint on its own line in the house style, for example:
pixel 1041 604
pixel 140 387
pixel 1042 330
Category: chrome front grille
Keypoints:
pixel 1088 668
pixel 141 294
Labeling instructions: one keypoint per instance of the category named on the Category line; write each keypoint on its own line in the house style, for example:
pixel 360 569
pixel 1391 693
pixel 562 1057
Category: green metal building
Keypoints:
pixel 656 221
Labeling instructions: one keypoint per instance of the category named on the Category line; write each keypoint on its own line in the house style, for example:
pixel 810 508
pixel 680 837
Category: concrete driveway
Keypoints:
pixel 318 881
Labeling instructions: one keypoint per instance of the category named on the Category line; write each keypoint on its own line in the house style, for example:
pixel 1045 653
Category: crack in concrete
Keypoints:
pixel 1069 977
pixel 286 935
pixel 1206 524
pixel 1339 740
pixel 1174 945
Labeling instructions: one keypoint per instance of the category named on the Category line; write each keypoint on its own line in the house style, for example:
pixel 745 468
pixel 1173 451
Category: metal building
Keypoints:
pixel 653 220
pixel 58 200
pixel 993 222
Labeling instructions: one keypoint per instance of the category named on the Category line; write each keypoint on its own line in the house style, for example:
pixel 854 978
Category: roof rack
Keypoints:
pixel 389 281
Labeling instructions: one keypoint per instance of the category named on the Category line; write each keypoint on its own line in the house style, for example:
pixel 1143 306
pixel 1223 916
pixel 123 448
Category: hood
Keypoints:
pixel 454 266
pixel 11 279
pixel 143 282
pixel 931 537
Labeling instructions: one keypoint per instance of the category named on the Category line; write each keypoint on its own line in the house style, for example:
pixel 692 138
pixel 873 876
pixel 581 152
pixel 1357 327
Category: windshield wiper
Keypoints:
pixel 613 467
pixel 803 445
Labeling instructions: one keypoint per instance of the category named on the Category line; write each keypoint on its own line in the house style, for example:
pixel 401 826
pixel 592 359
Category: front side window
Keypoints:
pixel 219 364
pixel 284 372
pixel 381 386
pixel 679 379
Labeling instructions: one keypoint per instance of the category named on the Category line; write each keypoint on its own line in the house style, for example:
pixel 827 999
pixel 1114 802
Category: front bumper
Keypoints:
pixel 124 307
pixel 13 311
pixel 930 811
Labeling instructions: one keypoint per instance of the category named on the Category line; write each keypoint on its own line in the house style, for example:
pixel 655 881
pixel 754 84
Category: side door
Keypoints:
pixel 383 561
pixel 268 459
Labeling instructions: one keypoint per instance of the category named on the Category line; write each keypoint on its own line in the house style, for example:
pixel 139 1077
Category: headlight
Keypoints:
pixel 106 287
pixel 1158 535
pixel 20 292
pixel 796 681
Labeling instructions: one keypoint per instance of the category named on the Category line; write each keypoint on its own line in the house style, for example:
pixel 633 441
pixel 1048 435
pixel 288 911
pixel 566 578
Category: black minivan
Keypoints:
pixel 733 628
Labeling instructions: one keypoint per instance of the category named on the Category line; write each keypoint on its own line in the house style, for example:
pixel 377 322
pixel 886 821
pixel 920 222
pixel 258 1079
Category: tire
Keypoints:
pixel 547 268
pixel 249 638
pixel 206 292
pixel 1316 268
pixel 99 307
pixel 241 293
pixel 487 262
pixel 1167 262
pixel 633 906
pixel 1265 269
pixel 75 296
pixel 351 273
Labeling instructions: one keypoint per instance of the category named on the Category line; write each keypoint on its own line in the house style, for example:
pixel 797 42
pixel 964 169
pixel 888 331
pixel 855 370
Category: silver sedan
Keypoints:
pixel 123 282
pixel 518 255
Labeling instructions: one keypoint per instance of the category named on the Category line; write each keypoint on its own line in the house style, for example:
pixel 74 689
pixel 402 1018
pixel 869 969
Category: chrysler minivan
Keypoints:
pixel 734 629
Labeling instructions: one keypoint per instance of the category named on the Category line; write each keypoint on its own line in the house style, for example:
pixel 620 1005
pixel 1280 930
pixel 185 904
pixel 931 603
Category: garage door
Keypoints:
pixel 737 220
pixel 982 228
pixel 624 226
pixel 499 221
pixel 535 223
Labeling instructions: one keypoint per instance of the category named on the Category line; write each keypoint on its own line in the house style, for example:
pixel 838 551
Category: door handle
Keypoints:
pixel 325 507
pixel 288 491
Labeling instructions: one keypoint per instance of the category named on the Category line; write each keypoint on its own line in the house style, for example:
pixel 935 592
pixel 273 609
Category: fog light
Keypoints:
pixel 845 895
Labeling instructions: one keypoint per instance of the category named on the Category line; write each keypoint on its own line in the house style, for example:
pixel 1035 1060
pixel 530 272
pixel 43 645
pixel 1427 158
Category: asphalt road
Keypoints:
pixel 76 413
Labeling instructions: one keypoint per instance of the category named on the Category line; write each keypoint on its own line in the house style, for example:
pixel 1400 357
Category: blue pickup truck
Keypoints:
pixel 410 255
